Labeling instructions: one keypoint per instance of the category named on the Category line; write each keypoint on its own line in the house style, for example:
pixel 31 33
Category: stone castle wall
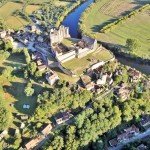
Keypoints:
pixel 56 36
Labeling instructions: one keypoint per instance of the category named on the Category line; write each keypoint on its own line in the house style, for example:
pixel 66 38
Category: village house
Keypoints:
pixel 33 28
pixel 36 55
pixel 122 91
pixel 142 147
pixel 47 129
pixel 24 117
pixel 85 79
pixel 34 142
pixel 2 135
pixel 127 134
pixel 134 75
pixel 63 117
pixel 2 34
pixel 39 62
pixel 145 120
pixel 41 68
pixel 40 39
pixel 102 79
pixel 113 142
pixel 52 77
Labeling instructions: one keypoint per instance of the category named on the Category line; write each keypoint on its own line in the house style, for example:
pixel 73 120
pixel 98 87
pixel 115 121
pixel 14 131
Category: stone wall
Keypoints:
pixel 67 56
pixel 56 36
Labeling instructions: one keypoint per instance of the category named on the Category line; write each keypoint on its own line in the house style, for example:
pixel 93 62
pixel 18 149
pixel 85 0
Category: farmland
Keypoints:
pixel 7 14
pixel 104 12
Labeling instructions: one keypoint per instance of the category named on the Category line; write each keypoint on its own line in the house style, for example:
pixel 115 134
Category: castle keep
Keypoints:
pixel 64 53
pixel 56 36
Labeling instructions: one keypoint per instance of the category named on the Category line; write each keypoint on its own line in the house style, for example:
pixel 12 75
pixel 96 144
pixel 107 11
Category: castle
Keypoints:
pixel 56 36
pixel 64 53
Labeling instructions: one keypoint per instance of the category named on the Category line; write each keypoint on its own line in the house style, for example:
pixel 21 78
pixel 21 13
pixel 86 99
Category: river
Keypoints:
pixel 72 20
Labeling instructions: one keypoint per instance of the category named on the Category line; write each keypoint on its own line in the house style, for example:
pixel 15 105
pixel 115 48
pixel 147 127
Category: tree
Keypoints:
pixel 29 91
pixel 8 45
pixel 32 67
pixel 5 114
pixel 132 44
pixel 38 74
pixel 58 143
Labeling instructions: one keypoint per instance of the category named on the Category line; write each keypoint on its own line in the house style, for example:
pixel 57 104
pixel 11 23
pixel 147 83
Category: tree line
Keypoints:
pixel 109 27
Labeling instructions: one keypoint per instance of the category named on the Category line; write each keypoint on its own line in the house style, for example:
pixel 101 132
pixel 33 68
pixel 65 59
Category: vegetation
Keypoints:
pixel 122 20
pixel 132 44
pixel 104 12
pixel 91 123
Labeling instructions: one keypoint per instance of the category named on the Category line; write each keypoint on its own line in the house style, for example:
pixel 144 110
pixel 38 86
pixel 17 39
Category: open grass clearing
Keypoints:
pixel 70 41
pixel 66 77
pixel 79 65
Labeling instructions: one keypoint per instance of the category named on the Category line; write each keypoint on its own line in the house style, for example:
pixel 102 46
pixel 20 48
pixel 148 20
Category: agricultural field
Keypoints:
pixel 85 62
pixel 106 11
pixel 6 13
pixel 31 8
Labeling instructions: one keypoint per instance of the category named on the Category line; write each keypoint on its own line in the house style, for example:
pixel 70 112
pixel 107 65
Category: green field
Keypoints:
pixel 105 11
pixel 6 13
pixel 85 62
pixel 15 87
pixel 31 8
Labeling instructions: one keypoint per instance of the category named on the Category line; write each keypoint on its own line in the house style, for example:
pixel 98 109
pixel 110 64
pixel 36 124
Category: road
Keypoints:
pixel 137 137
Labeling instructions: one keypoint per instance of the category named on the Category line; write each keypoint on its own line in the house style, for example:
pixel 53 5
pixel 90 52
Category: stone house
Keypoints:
pixel 127 134
pixel 63 117
pixel 33 28
pixel 5 132
pixel 85 79
pixel 40 39
pixel 113 142
pixel 102 79
pixel 142 147
pixel 47 129
pixel 123 91
pixel 90 86
pixel 3 34
pixel 42 67
pixel 34 142
pixel 52 78
pixel 134 75
pixel 145 120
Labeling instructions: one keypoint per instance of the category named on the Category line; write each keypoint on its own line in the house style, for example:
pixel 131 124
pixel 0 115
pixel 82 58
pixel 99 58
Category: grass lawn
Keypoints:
pixel 106 11
pixel 78 65
pixel 70 41
pixel 15 87
pixel 6 12
pixel 66 77
pixel 31 8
